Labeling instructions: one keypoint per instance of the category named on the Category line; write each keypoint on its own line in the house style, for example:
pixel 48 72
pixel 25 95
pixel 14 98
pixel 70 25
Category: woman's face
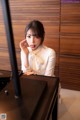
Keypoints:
pixel 33 41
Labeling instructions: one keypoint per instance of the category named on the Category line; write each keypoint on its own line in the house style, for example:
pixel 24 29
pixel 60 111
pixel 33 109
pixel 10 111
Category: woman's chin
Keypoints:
pixel 33 49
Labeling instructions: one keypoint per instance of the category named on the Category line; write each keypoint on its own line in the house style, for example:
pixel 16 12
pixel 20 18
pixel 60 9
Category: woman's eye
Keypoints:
pixel 29 36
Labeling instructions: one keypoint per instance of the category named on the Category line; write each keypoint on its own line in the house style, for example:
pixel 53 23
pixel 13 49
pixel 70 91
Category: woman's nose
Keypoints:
pixel 32 39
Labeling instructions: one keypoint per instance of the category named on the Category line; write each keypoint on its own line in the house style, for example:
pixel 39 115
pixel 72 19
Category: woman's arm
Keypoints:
pixel 51 64
pixel 23 46
pixel 24 58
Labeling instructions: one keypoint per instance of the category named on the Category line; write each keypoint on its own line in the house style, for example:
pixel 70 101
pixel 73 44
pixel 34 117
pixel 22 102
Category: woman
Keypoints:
pixel 36 58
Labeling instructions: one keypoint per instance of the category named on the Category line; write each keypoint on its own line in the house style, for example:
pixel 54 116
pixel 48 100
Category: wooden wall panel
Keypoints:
pixel 43 10
pixel 4 60
pixel 62 26
pixel 70 45
pixel 70 72
pixel 22 12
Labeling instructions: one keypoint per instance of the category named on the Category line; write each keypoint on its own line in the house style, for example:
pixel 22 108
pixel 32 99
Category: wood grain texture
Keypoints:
pixel 70 46
pixel 62 26
pixel 22 12
pixel 70 72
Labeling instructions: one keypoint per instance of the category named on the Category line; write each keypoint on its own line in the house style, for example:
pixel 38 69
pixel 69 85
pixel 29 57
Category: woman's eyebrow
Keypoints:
pixel 34 34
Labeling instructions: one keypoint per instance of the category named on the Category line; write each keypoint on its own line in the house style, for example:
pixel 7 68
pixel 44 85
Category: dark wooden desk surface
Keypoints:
pixel 30 107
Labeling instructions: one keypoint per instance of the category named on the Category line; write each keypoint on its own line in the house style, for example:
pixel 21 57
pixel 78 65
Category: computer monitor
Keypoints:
pixel 11 47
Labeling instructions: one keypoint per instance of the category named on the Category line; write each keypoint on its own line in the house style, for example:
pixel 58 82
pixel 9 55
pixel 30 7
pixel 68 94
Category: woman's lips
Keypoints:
pixel 32 46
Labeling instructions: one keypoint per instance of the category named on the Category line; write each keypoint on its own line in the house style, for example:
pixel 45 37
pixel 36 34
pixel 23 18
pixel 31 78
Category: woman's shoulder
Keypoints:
pixel 49 50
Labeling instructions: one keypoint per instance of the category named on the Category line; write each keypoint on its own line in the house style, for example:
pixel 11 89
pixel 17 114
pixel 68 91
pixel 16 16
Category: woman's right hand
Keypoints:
pixel 23 46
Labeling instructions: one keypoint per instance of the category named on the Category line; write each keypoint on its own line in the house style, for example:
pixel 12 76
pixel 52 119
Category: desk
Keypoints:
pixel 24 108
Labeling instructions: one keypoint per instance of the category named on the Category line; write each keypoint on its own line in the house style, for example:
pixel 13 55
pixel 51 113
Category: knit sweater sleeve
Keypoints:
pixel 51 64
